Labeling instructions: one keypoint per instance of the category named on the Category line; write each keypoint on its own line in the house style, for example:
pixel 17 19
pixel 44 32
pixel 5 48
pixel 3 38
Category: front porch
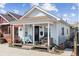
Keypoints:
pixel 37 35
pixel 39 31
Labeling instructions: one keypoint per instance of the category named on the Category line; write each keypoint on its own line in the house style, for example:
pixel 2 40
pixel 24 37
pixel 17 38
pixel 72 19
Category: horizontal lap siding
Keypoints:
pixel 62 38
pixel 53 33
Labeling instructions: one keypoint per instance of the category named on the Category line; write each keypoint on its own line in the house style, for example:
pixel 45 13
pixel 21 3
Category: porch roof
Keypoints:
pixel 33 20
pixel 4 24
pixel 8 17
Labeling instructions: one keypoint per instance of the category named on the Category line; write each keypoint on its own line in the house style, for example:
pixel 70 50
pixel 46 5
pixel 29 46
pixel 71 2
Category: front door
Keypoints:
pixel 36 33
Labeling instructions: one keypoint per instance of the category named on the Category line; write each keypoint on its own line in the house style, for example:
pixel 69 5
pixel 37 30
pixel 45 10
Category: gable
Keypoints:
pixel 36 13
pixel 2 20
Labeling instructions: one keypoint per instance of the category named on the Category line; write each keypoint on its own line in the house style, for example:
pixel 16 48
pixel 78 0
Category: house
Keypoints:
pixel 5 20
pixel 74 28
pixel 37 24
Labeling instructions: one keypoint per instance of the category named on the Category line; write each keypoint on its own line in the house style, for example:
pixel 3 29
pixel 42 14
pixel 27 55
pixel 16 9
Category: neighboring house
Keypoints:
pixel 73 29
pixel 5 20
pixel 75 26
pixel 38 23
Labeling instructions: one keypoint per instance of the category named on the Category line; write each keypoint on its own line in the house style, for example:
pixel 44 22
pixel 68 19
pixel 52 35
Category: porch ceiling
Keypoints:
pixel 33 20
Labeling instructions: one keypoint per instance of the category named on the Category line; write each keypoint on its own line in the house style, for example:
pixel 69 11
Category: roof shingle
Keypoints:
pixel 8 17
pixel 15 15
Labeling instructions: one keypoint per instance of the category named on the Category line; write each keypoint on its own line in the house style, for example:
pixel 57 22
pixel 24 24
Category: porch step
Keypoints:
pixel 40 46
pixel 17 44
pixel 27 46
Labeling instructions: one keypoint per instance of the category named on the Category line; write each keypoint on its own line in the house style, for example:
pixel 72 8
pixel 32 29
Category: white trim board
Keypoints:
pixel 36 7
pixel 4 24
pixel 12 15
pixel 33 23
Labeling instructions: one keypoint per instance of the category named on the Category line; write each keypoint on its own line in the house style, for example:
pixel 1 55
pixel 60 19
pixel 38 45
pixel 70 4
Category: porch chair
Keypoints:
pixel 28 39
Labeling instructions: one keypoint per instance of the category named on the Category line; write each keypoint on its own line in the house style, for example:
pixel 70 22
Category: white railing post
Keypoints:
pixel 33 34
pixel 48 37
pixel 23 34
pixel 13 33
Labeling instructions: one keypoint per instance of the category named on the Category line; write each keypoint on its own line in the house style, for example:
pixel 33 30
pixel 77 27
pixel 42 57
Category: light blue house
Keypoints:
pixel 38 23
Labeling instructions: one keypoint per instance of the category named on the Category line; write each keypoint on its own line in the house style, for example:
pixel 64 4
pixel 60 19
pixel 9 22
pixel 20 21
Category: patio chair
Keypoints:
pixel 28 39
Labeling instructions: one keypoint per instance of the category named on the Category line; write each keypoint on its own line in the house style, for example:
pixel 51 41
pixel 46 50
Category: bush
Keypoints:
pixel 68 44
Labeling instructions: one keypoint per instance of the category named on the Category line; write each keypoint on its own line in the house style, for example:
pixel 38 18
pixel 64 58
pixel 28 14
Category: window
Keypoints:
pixel 67 31
pixel 45 31
pixel 62 30
pixel 6 29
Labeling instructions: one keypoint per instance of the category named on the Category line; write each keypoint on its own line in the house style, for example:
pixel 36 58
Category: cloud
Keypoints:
pixel 3 11
pixel 73 7
pixel 77 5
pixel 47 6
pixel 16 11
pixel 67 19
pixel 36 4
pixel 2 5
pixel 65 15
pixel 73 14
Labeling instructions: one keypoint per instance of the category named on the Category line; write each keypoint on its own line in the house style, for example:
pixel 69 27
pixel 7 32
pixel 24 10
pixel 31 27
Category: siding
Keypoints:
pixel 53 33
pixel 61 37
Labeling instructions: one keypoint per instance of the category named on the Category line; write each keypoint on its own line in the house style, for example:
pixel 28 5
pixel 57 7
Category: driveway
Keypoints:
pixel 11 51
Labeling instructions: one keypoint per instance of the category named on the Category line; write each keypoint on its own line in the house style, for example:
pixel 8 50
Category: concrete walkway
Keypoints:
pixel 10 51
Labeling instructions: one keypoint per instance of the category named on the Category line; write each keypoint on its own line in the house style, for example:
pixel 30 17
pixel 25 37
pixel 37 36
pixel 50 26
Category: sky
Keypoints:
pixel 67 11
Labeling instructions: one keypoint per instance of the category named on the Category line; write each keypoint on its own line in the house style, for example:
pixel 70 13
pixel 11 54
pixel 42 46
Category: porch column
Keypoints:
pixel 23 34
pixel 33 35
pixel 48 38
pixel 8 30
pixel 13 34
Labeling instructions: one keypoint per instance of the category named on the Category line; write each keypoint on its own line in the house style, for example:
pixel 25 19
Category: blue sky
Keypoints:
pixel 67 11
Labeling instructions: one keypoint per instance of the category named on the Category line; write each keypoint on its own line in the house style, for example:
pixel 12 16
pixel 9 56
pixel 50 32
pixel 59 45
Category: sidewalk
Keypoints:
pixel 10 51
